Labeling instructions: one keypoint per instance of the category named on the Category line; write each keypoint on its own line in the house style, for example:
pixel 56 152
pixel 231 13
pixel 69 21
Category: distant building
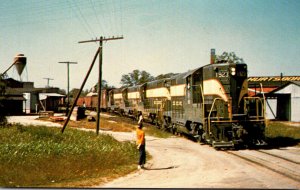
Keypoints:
pixel 22 97
pixel 269 83
pixel 282 96
pixel 283 103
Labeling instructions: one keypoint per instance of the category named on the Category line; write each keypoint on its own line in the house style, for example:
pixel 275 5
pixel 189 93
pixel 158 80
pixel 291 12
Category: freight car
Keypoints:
pixel 210 103
pixel 90 101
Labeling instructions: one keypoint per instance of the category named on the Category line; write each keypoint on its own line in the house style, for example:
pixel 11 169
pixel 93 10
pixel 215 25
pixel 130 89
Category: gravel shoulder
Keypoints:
pixel 180 163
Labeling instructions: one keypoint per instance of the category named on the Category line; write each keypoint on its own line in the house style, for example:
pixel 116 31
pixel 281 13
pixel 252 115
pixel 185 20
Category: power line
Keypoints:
pixel 96 16
pixel 84 20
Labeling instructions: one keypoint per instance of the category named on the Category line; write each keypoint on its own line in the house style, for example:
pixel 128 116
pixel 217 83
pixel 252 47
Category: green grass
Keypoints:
pixel 151 130
pixel 42 156
pixel 281 134
pixel 121 124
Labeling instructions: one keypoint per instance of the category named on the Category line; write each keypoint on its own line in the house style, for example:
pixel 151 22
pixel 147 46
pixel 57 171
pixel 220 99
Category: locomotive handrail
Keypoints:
pixel 264 104
pixel 211 109
pixel 257 101
pixel 203 105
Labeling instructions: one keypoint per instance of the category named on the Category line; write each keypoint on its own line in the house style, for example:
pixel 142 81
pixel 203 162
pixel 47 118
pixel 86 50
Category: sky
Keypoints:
pixel 160 36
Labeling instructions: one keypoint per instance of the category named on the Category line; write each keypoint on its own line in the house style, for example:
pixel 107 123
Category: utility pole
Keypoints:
pixel 100 73
pixel 68 87
pixel 48 79
pixel 99 52
pixel 80 90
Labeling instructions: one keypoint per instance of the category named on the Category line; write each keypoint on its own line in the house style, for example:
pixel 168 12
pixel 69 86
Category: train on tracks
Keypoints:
pixel 210 103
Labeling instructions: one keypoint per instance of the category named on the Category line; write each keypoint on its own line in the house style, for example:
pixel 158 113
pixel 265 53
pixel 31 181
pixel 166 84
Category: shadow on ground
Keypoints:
pixel 281 142
pixel 163 168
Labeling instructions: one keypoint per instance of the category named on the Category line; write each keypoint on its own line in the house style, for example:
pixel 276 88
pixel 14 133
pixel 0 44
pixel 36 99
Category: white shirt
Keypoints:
pixel 140 119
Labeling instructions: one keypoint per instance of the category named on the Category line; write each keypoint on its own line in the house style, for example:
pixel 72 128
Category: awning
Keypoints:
pixel 44 96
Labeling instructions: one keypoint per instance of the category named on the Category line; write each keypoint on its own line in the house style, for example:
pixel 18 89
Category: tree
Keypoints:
pixel 136 77
pixel 62 91
pixel 228 57
pixel 74 92
pixel 104 85
pixel 84 92
pixel 163 76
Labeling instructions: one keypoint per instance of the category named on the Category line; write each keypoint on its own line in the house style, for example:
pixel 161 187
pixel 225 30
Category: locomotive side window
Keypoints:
pixel 197 94
pixel 242 73
pixel 197 97
pixel 177 108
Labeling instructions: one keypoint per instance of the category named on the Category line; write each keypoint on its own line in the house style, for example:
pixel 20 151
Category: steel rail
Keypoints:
pixel 277 156
pixel 292 177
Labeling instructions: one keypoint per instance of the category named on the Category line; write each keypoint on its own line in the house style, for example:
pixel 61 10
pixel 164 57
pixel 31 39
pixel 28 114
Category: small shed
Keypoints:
pixel 50 101
pixel 284 102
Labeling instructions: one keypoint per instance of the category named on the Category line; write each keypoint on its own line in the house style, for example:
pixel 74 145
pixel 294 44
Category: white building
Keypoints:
pixel 284 103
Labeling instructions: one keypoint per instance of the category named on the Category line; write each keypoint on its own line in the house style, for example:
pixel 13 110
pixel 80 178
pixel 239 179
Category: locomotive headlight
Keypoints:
pixel 232 69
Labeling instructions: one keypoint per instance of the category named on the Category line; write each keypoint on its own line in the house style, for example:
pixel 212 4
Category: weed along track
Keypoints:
pixel 283 165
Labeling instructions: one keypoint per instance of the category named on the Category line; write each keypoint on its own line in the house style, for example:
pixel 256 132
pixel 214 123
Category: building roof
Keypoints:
pixel 273 78
pixel 283 86
pixel 43 96
pixel 271 81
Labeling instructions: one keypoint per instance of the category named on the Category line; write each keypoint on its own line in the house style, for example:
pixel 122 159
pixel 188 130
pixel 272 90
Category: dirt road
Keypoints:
pixel 178 162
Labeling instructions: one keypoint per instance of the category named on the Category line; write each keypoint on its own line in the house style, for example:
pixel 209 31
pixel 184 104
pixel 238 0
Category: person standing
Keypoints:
pixel 141 142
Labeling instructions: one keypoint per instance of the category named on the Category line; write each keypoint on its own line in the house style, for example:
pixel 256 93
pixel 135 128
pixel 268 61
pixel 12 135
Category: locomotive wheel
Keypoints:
pixel 199 139
pixel 173 129
pixel 165 125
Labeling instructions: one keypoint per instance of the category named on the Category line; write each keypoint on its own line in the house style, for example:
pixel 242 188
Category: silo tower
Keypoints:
pixel 20 63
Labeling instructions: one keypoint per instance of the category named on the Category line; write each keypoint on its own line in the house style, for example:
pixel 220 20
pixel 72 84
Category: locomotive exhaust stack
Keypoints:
pixel 212 56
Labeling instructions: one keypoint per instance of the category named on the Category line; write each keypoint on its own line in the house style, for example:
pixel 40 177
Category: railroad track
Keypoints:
pixel 276 162
pixel 294 159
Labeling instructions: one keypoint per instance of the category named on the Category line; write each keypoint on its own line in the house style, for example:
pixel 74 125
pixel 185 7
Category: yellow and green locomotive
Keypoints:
pixel 210 103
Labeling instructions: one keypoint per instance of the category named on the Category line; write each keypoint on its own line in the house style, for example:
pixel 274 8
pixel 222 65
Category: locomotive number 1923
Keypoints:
pixel 222 74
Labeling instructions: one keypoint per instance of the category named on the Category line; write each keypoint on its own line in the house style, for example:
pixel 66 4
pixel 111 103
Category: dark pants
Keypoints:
pixel 142 151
